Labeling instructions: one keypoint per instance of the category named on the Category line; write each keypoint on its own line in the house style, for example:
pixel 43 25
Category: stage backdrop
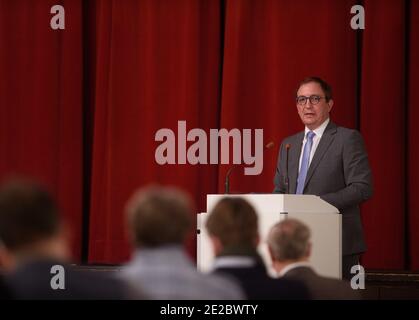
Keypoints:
pixel 80 106
pixel 41 102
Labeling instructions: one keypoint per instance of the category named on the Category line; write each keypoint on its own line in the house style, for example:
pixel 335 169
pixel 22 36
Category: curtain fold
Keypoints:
pixel 412 139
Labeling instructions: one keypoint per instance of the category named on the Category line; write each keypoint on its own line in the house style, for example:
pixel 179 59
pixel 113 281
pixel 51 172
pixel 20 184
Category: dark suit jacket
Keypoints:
pixel 321 287
pixel 32 281
pixel 257 284
pixel 5 292
pixel 339 173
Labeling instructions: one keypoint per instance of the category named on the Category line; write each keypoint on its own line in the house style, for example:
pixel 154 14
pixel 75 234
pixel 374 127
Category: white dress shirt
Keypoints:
pixel 316 139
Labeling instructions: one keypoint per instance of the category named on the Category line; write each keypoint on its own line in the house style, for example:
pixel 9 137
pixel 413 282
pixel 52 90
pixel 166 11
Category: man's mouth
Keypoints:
pixel 309 114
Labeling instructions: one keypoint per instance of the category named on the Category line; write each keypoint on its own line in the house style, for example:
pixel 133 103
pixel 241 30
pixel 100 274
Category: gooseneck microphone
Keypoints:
pixel 269 145
pixel 287 179
pixel 227 179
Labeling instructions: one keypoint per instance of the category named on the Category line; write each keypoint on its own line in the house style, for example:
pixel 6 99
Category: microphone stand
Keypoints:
pixel 287 179
pixel 227 181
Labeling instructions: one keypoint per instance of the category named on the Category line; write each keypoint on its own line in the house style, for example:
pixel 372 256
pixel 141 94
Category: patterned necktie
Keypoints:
pixel 305 161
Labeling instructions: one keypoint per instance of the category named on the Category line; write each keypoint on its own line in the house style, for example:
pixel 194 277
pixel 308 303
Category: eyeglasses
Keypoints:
pixel 314 99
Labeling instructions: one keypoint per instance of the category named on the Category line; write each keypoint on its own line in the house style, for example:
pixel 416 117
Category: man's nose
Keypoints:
pixel 308 104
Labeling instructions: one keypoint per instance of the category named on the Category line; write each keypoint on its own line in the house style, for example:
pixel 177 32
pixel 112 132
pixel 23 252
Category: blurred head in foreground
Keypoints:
pixel 159 216
pixel 233 225
pixel 34 243
pixel 289 242
pixel 30 225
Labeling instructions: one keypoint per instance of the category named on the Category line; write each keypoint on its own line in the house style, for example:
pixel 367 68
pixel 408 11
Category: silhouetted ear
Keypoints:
pixel 330 103
pixel 217 246
pixel 308 250
pixel 65 236
pixel 6 258
pixel 65 232
pixel 271 255
pixel 257 240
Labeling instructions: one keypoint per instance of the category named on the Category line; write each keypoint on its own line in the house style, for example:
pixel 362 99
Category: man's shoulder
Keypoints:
pixel 223 285
pixel 340 289
pixel 32 280
pixel 343 132
pixel 308 275
pixel 348 136
pixel 346 131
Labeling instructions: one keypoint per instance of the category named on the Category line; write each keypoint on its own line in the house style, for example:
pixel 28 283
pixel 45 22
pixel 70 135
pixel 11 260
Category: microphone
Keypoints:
pixel 269 145
pixel 287 179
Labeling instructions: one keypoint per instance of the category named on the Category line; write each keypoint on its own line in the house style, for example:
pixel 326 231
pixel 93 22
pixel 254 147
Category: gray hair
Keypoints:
pixel 289 240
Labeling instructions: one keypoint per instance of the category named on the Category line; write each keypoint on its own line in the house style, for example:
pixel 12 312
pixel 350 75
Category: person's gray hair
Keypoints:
pixel 289 240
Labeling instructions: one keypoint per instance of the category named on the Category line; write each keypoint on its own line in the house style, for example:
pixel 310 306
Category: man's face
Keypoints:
pixel 313 115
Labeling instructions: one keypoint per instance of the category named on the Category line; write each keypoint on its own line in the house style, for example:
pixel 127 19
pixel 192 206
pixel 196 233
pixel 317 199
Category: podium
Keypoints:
pixel 323 219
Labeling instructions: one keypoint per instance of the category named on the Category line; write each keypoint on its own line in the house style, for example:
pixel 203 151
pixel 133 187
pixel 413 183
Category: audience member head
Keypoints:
pixel 233 223
pixel 289 242
pixel 159 216
pixel 30 225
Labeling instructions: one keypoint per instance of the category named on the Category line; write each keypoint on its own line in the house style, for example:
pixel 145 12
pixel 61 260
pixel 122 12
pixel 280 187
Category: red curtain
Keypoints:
pixel 41 101
pixel 383 109
pixel 157 62
pixel 412 174
pixel 215 64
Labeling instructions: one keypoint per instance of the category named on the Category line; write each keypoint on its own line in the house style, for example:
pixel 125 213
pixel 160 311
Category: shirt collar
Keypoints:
pixel 319 131
pixel 234 262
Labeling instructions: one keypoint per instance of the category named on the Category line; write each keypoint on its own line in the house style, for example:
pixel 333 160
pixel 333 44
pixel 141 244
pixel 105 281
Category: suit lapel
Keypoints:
pixel 327 138
pixel 294 160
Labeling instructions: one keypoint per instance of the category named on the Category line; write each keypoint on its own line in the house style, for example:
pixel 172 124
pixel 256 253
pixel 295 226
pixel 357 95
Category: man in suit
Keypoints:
pixel 233 229
pixel 290 247
pixel 159 220
pixel 33 240
pixel 328 161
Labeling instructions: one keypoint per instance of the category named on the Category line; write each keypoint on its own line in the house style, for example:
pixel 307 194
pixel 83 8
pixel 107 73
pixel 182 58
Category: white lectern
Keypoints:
pixel 323 219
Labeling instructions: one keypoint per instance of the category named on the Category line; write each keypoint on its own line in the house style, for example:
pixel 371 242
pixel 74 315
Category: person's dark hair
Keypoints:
pixel 159 216
pixel 289 240
pixel 234 221
pixel 327 89
pixel 27 214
